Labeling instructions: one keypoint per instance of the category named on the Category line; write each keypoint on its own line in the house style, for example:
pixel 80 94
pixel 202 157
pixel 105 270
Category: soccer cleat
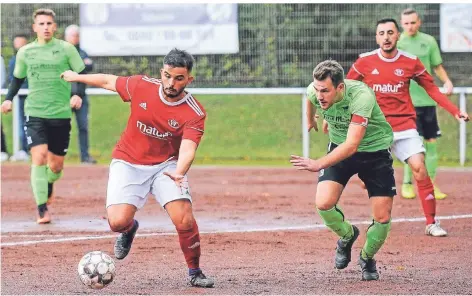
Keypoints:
pixel 200 280
pixel 438 194
pixel 435 230
pixel 408 191
pixel 44 217
pixel 343 250
pixel 124 240
pixel 369 269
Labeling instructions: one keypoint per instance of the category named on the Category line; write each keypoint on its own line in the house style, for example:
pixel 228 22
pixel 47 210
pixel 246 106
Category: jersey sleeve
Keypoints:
pixel 435 54
pixel 126 85
pixel 194 129
pixel 361 107
pixel 355 72
pixel 75 60
pixel 427 82
pixel 20 65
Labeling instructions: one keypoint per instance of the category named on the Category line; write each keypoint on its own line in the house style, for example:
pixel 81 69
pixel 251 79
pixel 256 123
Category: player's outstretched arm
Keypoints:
pixel 106 81
pixel 13 89
pixel 354 137
pixel 187 151
pixel 427 82
pixel 442 74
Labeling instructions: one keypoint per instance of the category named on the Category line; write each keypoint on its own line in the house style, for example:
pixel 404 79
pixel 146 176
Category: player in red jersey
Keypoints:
pixel 388 72
pixel 154 153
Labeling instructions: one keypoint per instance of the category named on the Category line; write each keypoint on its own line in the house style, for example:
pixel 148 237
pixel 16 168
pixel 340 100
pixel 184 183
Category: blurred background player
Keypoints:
pixel 3 75
pixel 426 48
pixel 388 71
pixel 154 153
pixel 19 41
pixel 72 35
pixel 48 106
pixel 360 137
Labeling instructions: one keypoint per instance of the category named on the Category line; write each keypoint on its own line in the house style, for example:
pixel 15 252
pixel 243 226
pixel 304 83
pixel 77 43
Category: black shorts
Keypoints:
pixel 427 122
pixel 374 169
pixel 53 132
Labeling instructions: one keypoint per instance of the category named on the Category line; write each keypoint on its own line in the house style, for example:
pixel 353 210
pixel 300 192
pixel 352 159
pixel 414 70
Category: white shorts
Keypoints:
pixel 406 144
pixel 130 184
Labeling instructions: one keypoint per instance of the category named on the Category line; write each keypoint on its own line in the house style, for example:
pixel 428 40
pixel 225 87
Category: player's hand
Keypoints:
pixel 75 102
pixel 448 87
pixel 461 116
pixel 325 126
pixel 179 181
pixel 69 76
pixel 313 123
pixel 305 163
pixel 6 106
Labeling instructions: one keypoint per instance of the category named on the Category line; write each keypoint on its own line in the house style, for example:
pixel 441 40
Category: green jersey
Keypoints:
pixel 359 99
pixel 42 64
pixel 426 48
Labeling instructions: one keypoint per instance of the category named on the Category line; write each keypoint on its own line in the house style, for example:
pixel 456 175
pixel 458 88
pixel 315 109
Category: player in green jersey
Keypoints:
pixel 426 48
pixel 48 105
pixel 360 138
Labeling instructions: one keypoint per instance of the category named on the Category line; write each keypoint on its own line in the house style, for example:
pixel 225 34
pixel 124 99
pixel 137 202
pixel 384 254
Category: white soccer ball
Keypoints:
pixel 96 270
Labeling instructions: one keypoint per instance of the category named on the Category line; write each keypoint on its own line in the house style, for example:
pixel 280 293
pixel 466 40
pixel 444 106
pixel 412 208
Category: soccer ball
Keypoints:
pixel 96 270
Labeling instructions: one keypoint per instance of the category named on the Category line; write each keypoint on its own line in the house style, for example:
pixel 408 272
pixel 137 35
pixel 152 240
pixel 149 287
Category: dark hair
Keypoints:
pixel 331 69
pixel 179 58
pixel 409 11
pixel 388 20
pixel 44 11
pixel 21 35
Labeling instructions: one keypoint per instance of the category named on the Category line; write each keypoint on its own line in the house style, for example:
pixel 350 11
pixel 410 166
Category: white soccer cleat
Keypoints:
pixel 3 156
pixel 435 230
pixel 20 156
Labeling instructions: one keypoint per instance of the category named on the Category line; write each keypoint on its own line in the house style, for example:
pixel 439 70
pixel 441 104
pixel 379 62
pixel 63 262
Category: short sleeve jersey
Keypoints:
pixel 426 48
pixel 49 95
pixel 156 126
pixel 390 79
pixel 358 100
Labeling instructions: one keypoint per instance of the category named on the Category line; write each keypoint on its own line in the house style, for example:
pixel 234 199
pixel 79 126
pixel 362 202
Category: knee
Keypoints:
pixel 39 157
pixel 324 205
pixel 419 172
pixel 382 217
pixel 118 224
pixel 56 167
pixel 185 222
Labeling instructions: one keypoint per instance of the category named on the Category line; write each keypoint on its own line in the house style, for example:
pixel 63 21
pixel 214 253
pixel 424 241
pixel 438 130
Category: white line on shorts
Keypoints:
pixel 287 228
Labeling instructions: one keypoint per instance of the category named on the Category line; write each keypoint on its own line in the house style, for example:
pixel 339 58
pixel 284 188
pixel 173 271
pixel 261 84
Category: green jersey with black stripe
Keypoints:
pixel 426 48
pixel 49 95
pixel 359 99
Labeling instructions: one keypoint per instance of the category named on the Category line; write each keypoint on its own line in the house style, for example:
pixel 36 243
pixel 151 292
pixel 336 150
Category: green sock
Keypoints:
pixel 431 158
pixel 334 220
pixel 407 174
pixel 376 236
pixel 39 183
pixel 53 177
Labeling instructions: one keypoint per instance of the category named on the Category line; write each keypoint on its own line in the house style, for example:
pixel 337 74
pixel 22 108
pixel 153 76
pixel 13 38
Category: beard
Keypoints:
pixel 174 94
pixel 391 49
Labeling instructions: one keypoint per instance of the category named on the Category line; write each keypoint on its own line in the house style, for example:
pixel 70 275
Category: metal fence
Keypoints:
pixel 279 43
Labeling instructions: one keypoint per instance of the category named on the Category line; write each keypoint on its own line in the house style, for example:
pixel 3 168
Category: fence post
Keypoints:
pixel 462 130
pixel 306 135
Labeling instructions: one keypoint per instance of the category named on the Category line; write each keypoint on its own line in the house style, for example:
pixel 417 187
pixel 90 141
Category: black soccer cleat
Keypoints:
pixel 343 250
pixel 200 280
pixel 124 240
pixel 369 269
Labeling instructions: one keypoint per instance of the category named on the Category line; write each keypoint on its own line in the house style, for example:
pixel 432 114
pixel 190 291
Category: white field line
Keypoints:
pixel 288 228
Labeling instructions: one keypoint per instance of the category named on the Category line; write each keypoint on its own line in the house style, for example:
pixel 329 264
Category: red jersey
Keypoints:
pixel 390 80
pixel 156 126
